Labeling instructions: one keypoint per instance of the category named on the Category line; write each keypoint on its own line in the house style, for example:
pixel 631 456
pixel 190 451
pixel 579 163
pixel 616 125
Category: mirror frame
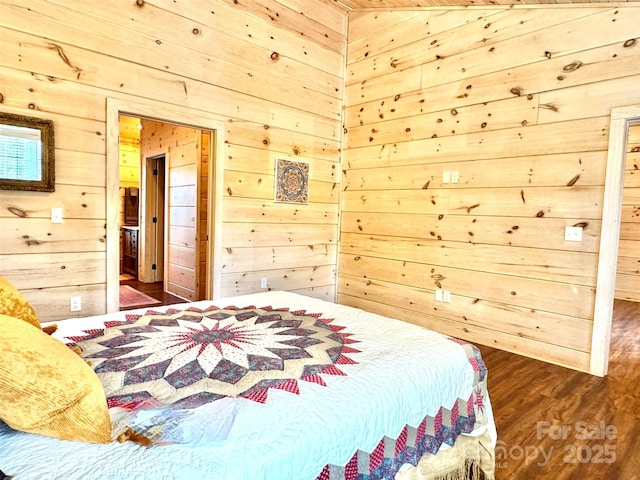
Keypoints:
pixel 47 160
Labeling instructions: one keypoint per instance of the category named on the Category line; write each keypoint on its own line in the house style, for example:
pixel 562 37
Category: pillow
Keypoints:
pixel 46 388
pixel 12 303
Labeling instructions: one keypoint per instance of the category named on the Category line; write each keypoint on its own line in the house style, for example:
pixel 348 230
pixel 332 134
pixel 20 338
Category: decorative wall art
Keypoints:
pixel 292 181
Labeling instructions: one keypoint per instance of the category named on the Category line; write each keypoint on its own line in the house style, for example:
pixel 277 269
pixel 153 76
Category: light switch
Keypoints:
pixel 56 215
pixel 438 294
pixel 446 177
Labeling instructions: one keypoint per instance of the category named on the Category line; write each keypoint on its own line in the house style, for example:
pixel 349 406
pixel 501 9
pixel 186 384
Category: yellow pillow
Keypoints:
pixel 46 388
pixel 12 303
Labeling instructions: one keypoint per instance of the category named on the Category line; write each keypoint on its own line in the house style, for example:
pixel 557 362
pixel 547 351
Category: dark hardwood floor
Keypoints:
pixel 555 423
pixel 154 290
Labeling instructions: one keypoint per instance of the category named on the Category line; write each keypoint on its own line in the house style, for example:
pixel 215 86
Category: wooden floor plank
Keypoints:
pixel 557 423
pixel 155 290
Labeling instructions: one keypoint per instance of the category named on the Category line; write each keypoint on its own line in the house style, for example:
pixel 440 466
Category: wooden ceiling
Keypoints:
pixel 395 4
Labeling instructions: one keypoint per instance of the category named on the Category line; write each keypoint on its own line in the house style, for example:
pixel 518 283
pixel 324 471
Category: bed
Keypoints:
pixel 275 386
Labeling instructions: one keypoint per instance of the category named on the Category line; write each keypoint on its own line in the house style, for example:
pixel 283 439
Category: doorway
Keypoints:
pixel 621 119
pixel 627 267
pixel 172 230
pixel 160 113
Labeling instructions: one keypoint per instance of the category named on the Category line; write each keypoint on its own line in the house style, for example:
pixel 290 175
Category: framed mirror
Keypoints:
pixel 26 153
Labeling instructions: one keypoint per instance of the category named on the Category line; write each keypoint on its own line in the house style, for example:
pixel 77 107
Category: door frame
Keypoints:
pixel 163 112
pixel 621 118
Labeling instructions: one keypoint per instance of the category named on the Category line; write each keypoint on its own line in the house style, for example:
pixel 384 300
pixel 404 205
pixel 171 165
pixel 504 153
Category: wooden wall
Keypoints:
pixel 129 162
pixel 271 71
pixel 202 212
pixel 628 269
pixel 517 102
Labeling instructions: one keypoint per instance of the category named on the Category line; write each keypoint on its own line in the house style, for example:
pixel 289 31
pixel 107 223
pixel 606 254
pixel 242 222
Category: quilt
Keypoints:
pixel 266 386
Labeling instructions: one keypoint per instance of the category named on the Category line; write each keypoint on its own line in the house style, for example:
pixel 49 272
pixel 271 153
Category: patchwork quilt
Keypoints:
pixel 266 386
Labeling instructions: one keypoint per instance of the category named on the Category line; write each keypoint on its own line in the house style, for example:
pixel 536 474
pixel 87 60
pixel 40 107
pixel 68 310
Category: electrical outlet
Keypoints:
pixel 455 176
pixel 75 304
pixel 263 282
pixel 446 296
pixel 573 234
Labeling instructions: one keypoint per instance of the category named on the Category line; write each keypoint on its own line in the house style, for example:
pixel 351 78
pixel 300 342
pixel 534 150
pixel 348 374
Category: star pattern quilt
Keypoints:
pixel 186 358
pixel 266 386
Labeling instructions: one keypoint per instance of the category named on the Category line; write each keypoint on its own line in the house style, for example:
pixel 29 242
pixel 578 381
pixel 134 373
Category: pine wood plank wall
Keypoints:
pixel 202 213
pixel 272 71
pixel 517 101
pixel 129 162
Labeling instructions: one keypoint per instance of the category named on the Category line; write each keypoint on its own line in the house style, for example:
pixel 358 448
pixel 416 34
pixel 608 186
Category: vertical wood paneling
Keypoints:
pixel 129 162
pixel 202 213
pixel 518 90
pixel 271 71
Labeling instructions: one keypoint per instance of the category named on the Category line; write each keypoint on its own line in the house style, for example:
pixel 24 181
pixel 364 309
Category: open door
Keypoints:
pixel 153 220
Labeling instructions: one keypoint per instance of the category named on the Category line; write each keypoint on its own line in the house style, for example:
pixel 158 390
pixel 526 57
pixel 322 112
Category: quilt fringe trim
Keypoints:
pixel 471 458
pixel 470 470
pixel 466 469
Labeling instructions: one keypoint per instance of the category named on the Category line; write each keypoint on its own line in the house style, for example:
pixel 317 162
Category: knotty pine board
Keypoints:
pixel 529 202
pixel 573 269
pixel 240 158
pixel 35 236
pixel 498 115
pixel 487 336
pixel 261 187
pixel 244 259
pixel 555 170
pixel 481 229
pixel 539 325
pixel 576 136
pixel 277 279
pixel 140 80
pixel 518 103
pixel 256 234
pixel 488 38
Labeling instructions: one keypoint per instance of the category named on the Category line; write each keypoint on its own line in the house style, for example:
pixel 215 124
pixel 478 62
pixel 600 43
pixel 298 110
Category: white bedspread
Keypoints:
pixel 402 373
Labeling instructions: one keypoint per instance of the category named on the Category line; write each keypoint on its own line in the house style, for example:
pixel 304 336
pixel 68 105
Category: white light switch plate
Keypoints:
pixel 56 215
pixel 438 294
pixel 446 296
